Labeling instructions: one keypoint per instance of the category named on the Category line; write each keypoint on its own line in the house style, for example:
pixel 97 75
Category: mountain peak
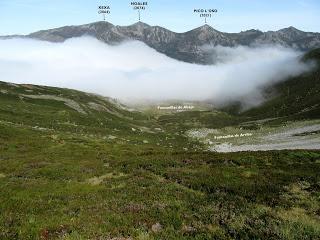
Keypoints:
pixel 290 29
pixel 206 27
pixel 140 25
pixel 100 23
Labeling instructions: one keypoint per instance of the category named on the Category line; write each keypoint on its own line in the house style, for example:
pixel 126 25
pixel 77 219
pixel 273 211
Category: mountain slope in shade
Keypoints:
pixel 182 46
pixel 298 97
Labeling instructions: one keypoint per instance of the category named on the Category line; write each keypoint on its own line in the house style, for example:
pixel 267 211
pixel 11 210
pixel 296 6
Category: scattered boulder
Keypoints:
pixel 156 227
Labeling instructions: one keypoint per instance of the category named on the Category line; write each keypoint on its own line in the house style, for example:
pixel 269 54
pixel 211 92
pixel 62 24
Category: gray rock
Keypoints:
pixel 186 46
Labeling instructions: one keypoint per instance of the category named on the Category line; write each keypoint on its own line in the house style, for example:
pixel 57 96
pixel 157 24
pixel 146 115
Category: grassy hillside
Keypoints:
pixel 297 97
pixel 79 166
pixel 65 111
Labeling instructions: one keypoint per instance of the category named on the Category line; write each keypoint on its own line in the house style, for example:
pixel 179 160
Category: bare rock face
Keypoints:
pixel 186 46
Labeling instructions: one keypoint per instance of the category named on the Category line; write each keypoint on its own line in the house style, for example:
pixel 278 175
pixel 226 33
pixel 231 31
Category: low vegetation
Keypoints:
pixel 78 166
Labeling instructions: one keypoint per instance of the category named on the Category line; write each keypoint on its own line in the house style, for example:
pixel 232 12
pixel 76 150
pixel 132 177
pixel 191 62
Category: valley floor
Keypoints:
pixel 287 136
pixel 105 173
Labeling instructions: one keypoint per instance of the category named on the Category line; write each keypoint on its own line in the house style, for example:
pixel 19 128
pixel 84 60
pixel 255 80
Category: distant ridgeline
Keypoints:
pixel 182 46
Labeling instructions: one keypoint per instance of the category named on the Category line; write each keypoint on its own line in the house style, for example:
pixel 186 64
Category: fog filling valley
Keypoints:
pixel 133 70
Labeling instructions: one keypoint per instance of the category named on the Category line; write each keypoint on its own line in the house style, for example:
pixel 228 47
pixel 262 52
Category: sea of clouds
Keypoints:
pixel 133 70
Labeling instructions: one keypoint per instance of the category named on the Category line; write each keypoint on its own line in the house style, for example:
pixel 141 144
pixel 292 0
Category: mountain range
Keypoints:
pixel 187 46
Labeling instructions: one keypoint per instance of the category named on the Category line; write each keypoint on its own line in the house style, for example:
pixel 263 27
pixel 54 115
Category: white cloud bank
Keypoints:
pixel 134 71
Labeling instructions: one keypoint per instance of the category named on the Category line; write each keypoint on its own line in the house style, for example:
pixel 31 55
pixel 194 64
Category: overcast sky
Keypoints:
pixel 25 16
